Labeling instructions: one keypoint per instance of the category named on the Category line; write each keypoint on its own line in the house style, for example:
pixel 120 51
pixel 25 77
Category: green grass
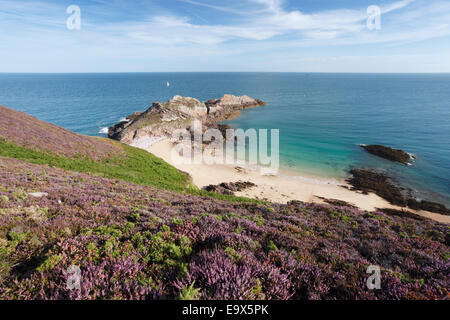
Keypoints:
pixel 134 165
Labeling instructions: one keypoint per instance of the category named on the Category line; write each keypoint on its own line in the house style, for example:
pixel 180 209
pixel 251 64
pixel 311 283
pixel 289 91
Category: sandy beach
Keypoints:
pixel 281 188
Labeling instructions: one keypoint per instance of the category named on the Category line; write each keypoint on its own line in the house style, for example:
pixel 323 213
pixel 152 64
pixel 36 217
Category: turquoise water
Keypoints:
pixel 322 117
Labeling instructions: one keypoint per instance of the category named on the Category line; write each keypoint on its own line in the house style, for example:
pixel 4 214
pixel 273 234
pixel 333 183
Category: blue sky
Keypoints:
pixel 227 35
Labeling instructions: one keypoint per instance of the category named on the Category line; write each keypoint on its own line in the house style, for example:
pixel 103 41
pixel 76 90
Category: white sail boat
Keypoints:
pixel 168 84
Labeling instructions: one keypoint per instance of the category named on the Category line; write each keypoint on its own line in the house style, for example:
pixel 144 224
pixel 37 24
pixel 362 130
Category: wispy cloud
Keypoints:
pixel 145 31
pixel 215 7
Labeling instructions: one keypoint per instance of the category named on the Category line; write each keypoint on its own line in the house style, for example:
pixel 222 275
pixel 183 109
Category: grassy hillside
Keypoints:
pixel 129 222
pixel 27 138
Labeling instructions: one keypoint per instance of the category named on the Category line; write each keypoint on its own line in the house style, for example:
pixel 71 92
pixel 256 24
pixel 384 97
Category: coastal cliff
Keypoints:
pixel 143 129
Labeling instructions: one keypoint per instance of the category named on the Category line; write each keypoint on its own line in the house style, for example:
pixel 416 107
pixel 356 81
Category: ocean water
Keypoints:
pixel 322 118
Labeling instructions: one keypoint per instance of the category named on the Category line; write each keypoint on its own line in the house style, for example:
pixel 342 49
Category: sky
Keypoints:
pixel 226 35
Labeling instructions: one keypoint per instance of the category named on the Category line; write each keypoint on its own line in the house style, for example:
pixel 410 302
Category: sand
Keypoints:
pixel 281 188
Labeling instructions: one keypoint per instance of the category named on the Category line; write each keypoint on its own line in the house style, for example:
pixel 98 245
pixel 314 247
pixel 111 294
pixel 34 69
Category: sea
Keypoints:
pixel 322 118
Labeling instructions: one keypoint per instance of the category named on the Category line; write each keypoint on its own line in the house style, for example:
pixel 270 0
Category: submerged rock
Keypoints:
pixel 390 153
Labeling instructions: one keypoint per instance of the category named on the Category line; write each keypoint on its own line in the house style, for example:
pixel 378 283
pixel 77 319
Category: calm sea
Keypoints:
pixel 322 117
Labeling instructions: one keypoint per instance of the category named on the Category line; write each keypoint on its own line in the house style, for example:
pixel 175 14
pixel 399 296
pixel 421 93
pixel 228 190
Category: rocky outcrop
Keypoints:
pixel 230 188
pixel 428 206
pixel 229 106
pixel 389 153
pixel 158 122
pixel 145 128
pixel 381 184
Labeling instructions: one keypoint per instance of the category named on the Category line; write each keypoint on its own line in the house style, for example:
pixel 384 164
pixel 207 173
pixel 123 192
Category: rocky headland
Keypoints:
pixel 143 129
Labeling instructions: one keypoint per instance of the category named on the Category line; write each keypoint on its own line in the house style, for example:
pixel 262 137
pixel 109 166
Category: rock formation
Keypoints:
pixel 428 206
pixel 230 188
pixel 142 129
pixel 381 184
pixel 229 106
pixel 158 122
pixel 371 181
pixel 389 153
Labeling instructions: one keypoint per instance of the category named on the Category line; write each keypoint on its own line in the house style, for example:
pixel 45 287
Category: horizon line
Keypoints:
pixel 291 72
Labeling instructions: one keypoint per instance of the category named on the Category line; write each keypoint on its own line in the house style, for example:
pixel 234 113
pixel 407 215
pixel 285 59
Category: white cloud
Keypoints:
pixel 259 28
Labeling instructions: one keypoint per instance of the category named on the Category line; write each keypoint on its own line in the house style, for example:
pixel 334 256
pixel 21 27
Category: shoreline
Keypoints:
pixel 283 187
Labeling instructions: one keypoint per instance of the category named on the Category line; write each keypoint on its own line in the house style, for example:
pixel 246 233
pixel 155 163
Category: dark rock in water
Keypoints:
pixel 389 153
pixel 229 188
pixel 379 183
pixel 371 181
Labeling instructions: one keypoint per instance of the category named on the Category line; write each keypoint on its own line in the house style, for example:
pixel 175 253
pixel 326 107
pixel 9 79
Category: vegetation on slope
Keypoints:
pixel 136 242
pixel 27 138
pixel 68 200
pixel 133 165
